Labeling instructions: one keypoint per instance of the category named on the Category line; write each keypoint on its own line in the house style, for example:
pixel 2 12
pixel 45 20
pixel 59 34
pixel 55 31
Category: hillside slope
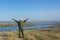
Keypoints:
pixel 36 34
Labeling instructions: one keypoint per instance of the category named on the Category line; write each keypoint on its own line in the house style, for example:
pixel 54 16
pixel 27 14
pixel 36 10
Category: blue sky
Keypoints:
pixel 33 9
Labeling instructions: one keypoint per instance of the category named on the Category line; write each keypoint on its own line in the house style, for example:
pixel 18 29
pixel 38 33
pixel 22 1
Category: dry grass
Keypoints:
pixel 38 34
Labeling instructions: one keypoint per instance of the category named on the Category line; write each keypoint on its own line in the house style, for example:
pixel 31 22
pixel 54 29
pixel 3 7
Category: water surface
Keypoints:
pixel 26 27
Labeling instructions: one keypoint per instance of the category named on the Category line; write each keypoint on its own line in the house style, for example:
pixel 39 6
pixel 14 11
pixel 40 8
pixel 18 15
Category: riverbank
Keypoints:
pixel 36 34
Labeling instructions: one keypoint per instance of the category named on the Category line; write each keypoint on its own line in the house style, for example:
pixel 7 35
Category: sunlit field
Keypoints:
pixel 33 34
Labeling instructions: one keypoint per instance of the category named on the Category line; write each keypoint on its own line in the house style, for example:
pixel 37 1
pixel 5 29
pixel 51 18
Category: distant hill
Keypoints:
pixel 7 23
pixel 10 23
pixel 45 22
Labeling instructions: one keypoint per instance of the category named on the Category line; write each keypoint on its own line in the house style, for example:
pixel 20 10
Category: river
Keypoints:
pixel 25 27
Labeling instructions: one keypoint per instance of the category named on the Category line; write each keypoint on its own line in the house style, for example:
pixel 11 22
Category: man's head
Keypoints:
pixel 21 18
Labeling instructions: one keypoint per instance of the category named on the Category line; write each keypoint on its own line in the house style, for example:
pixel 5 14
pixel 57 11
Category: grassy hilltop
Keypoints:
pixel 52 33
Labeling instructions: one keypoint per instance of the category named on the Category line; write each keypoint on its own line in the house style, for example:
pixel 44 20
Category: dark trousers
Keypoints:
pixel 21 31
